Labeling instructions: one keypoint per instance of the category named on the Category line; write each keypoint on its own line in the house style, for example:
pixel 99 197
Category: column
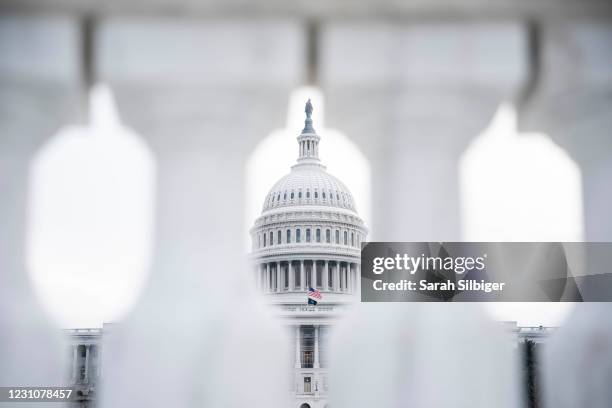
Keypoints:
pixel 358 280
pixel 581 124
pixel 421 109
pixel 75 361
pixel 278 277
pixel 349 277
pixel 325 276
pixel 257 277
pixel 302 276
pixel 298 362
pixel 291 276
pixel 99 363
pixel 337 277
pixel 87 347
pixel 316 348
pixel 39 93
pixel 268 284
pixel 347 283
pixel 261 278
pixel 345 277
pixel 313 275
pixel 189 111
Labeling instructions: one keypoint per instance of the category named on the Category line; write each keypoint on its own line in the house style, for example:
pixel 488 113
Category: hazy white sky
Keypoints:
pixel 89 252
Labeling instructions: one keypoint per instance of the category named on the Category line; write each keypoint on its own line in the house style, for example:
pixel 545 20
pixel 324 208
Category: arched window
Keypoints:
pixel 323 194
pixel 279 237
pixel 292 195
pixel 278 197
pixel 337 236
pixel 318 235
pixel 298 236
pixel 307 234
pixel 307 193
pixel 300 194
pixel 327 235
pixel 352 238
pixel 316 194
pixel 345 238
pixel 285 196
pixel 288 236
pixel 264 235
pixel 272 238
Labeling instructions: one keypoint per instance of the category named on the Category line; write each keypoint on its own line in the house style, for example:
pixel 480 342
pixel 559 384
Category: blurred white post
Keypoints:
pixel 412 97
pixel 38 94
pixel 202 93
pixel 423 355
pixel 576 363
pixel 572 104
pixel 298 363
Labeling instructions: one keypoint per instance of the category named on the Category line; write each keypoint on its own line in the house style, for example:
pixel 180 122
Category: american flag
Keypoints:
pixel 313 296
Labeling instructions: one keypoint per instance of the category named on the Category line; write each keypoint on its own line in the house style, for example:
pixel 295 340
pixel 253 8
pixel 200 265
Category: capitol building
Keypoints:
pixel 308 236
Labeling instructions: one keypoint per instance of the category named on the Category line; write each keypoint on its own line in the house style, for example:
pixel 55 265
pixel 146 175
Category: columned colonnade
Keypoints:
pixel 308 356
pixel 299 275
pixel 84 367
pixel 310 360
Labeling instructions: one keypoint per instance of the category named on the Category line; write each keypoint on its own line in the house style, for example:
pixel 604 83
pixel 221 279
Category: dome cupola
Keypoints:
pixel 309 233
pixel 308 183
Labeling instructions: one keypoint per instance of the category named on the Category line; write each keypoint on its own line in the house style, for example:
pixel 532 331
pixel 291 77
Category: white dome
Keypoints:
pixel 309 184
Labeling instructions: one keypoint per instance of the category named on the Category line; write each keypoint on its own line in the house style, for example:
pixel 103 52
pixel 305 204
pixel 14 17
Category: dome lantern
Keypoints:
pixel 308 140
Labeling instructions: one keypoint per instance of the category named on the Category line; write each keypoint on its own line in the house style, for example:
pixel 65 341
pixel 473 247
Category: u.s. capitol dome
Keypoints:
pixel 308 236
